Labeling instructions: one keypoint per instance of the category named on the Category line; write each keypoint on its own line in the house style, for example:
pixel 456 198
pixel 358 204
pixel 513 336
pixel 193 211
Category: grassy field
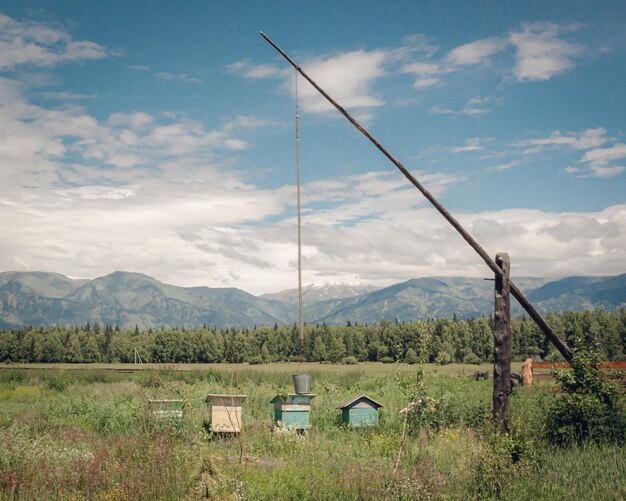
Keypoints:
pixel 278 367
pixel 86 432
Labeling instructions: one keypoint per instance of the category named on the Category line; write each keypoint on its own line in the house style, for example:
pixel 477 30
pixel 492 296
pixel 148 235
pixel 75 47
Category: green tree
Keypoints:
pixel 89 347
pixel 319 350
pixel 410 356
pixel 73 352
pixel 265 354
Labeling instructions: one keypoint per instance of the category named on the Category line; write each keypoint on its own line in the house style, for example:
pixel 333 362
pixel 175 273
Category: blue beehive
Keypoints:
pixel 293 410
pixel 360 412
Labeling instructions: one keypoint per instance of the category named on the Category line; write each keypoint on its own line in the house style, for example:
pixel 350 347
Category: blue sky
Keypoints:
pixel 158 137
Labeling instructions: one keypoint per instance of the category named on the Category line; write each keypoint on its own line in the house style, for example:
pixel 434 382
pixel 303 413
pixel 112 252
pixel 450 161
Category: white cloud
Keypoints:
pixel 177 77
pixel 257 71
pixel 350 77
pixel 425 83
pixel 430 72
pixel 502 167
pixel 571 170
pixel 134 120
pixel 347 77
pixel 31 43
pixel 541 54
pixel 605 155
pixel 155 194
pixel 471 144
pixel 372 227
pixel 474 106
pixel 67 96
pixel 427 73
pixel 421 68
pixel 420 44
pixel 599 160
pixel 248 122
pixel 477 52
pixel 586 139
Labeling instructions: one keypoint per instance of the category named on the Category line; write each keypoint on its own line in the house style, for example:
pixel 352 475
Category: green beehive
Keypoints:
pixel 293 411
pixel 360 412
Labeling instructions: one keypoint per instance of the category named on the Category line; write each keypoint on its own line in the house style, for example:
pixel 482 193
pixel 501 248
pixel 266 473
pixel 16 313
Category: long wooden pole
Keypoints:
pixel 517 293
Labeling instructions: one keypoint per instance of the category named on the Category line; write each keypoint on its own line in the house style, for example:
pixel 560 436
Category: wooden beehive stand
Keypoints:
pixel 225 413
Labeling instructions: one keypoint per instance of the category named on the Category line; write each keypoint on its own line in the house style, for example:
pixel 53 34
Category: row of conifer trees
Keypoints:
pixel 437 340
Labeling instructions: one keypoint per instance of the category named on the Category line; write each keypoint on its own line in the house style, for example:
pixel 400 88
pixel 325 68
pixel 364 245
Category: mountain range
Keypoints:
pixel 129 299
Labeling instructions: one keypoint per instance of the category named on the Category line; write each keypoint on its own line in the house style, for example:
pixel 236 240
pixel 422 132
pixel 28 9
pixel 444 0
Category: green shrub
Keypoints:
pixel 410 357
pixel 387 360
pixel 349 361
pixel 12 376
pixel 255 360
pixel 471 358
pixel 57 382
pixel 496 464
pixel 443 358
pixel 590 409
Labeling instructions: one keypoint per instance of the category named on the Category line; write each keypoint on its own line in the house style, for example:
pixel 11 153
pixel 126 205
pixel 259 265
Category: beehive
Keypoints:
pixel 167 410
pixel 360 412
pixel 225 413
pixel 293 410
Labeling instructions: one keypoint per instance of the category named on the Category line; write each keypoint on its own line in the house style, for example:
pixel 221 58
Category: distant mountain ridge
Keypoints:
pixel 129 299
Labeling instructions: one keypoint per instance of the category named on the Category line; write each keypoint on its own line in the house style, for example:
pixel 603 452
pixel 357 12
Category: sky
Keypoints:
pixel 158 137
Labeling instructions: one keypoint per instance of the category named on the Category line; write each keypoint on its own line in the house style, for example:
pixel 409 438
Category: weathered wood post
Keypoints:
pixel 502 345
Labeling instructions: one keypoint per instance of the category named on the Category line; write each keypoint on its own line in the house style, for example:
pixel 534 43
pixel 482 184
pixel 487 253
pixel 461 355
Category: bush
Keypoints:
pixel 57 382
pixel 443 358
pixel 349 361
pixel 471 358
pixel 497 464
pixel 12 376
pixel 590 409
pixel 255 360
pixel 387 360
pixel 410 356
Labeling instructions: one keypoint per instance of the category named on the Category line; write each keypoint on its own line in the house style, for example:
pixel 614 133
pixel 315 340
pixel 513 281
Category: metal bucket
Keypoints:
pixel 302 383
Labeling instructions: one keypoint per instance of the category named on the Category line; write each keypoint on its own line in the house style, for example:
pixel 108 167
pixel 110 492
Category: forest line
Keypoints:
pixel 438 340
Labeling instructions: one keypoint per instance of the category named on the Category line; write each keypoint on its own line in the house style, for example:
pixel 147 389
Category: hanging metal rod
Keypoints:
pixel 517 293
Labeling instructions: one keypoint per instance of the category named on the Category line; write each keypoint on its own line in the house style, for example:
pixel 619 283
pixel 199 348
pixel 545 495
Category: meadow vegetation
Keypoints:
pixel 89 434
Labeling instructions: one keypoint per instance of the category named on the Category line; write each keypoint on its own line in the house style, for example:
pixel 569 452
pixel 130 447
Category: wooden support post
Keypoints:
pixel 502 345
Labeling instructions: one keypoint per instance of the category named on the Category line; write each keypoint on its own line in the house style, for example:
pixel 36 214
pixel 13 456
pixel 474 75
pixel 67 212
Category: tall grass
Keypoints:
pixel 89 434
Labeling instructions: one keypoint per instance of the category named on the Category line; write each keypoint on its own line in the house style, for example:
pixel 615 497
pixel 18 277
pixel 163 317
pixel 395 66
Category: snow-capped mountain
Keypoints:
pixel 313 293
